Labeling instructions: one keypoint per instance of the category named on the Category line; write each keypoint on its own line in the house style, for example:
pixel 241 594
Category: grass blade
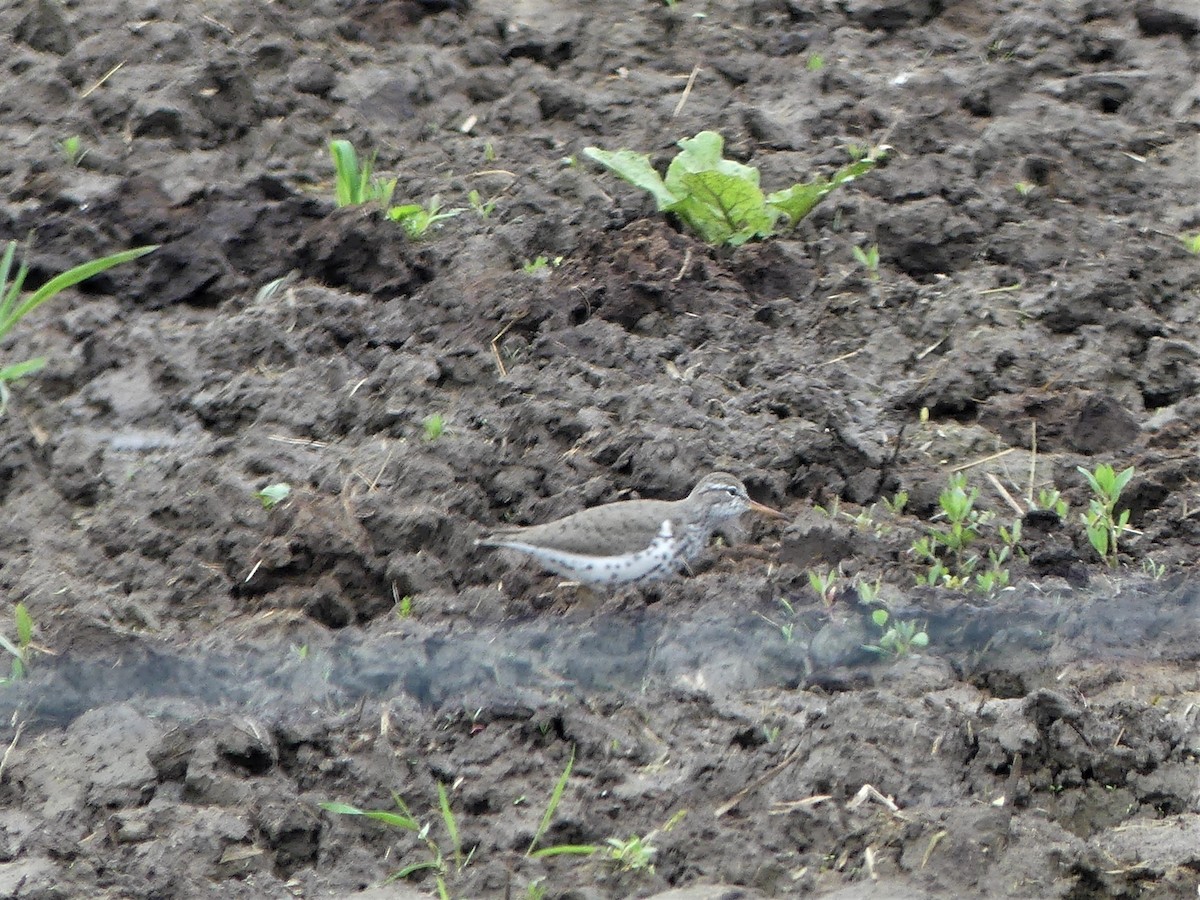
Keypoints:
pixel 20 370
pixel 24 625
pixel 395 820
pixel 564 850
pixel 552 806
pixel 68 279
pixel 451 824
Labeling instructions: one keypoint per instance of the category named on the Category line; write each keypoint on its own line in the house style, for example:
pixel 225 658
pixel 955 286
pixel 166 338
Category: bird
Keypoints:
pixel 632 541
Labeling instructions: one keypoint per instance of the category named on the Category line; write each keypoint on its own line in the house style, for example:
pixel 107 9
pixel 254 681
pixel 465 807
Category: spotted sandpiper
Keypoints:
pixel 632 541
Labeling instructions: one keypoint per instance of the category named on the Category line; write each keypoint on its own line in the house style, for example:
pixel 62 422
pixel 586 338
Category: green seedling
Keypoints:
pixel 405 821
pixel 489 152
pixel 1103 524
pixel 898 638
pixel 868 591
pixel 556 796
pixel 355 180
pixel 1153 569
pixel 19 650
pixel 14 307
pixel 482 208
pixel 1024 188
pixel 868 258
pixel 1052 500
pixel 993 579
pixel 72 150
pixel 896 505
pixel 417 220
pixel 787 629
pixel 720 199
pixel 1191 241
pixel 945 549
pixel 825 584
pixel 963 520
pixel 634 853
pixel 815 62
pixel 434 426
pixel 541 265
pixel 274 494
pixel 404 608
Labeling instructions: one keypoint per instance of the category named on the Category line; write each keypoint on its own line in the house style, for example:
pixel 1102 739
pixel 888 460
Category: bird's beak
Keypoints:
pixel 766 510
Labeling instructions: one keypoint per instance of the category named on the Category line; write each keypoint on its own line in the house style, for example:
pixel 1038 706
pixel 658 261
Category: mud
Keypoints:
pixel 205 672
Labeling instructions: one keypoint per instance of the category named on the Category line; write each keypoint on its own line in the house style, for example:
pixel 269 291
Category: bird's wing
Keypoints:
pixel 599 531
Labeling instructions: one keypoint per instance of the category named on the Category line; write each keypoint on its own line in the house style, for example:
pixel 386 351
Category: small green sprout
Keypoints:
pixel 1024 188
pixel 815 62
pixel 14 307
pixel 1191 241
pixel 355 181
pixel 898 638
pixel 482 208
pixel 405 821
pixel 720 199
pixel 868 591
pixel 1050 499
pixel 434 426
pixel 1102 522
pixel 869 259
pixel 72 150
pixel 417 219
pixel 274 494
pixel 404 608
pixel 634 853
pixel 19 651
pixel 896 505
pixel 489 152
pixel 825 584
pixel 541 265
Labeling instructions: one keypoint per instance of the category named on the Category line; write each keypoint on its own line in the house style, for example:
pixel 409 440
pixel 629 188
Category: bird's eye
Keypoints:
pixel 733 492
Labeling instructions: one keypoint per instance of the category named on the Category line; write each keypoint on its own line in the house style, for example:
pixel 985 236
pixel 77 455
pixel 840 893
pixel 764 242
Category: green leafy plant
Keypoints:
pixel 896 505
pixel 1024 188
pixel 72 150
pixel 1191 241
pixel 720 199
pixel 405 821
pixel 404 607
pixel 274 494
pixel 825 584
pixel 787 629
pixel 417 220
pixel 815 62
pixel 355 181
pixel 1050 499
pixel 19 650
pixel 541 265
pixel 899 638
pixel 14 307
pixel 945 548
pixel 482 208
pixel 434 426
pixel 868 258
pixel 1103 524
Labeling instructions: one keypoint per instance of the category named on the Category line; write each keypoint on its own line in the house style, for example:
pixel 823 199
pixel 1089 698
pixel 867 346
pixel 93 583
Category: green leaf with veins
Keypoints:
pixel 724 208
pixel 636 169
